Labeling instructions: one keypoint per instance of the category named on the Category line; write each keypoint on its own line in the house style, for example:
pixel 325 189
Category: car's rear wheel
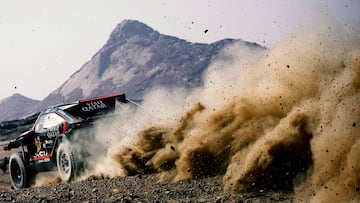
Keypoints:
pixel 20 175
pixel 66 163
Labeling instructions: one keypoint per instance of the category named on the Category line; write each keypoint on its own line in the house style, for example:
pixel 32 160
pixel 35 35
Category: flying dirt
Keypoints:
pixel 287 118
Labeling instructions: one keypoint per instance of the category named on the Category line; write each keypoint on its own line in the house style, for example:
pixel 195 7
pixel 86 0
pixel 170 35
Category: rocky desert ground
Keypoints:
pixel 138 188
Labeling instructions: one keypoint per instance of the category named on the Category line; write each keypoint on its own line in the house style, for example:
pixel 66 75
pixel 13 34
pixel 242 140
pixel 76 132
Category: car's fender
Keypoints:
pixel 17 142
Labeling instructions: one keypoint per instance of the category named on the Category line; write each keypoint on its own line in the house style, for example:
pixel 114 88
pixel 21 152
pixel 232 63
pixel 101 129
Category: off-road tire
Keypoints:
pixel 66 163
pixel 20 174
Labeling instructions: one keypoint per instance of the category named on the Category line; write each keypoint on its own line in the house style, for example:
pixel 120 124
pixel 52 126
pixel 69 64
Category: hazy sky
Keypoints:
pixel 43 42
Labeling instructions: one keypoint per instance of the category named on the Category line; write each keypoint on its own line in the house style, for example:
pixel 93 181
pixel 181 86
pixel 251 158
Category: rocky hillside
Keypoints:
pixel 134 60
pixel 137 58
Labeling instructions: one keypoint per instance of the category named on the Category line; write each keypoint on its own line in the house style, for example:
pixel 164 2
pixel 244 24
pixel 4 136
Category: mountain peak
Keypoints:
pixel 16 106
pixel 16 97
pixel 130 28
pixel 134 60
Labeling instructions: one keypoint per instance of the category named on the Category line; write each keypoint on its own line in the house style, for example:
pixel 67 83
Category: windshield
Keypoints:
pixel 70 118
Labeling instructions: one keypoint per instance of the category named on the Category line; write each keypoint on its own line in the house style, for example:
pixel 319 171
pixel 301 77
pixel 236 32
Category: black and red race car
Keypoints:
pixel 52 141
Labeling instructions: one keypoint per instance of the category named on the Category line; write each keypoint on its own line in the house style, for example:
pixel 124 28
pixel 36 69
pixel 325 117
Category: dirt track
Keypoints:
pixel 140 188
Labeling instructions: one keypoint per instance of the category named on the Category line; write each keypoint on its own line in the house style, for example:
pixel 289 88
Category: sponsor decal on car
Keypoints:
pixel 53 132
pixel 37 143
pixel 42 155
pixel 94 105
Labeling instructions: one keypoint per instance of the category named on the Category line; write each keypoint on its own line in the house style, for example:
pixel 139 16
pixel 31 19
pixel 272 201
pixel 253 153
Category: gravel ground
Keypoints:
pixel 139 188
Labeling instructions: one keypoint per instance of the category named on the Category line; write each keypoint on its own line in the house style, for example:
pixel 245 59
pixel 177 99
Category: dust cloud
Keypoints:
pixel 47 179
pixel 287 118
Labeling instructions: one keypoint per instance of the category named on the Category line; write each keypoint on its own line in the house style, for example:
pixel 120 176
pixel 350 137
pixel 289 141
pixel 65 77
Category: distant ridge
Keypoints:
pixel 16 106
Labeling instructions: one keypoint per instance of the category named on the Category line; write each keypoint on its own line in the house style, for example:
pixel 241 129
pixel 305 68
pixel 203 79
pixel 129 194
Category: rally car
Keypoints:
pixel 51 143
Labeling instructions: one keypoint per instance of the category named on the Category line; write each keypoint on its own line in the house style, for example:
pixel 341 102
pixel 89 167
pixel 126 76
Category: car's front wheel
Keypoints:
pixel 66 163
pixel 19 173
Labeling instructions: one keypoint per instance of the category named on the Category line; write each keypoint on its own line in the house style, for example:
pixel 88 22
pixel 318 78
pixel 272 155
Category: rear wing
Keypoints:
pixel 94 107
